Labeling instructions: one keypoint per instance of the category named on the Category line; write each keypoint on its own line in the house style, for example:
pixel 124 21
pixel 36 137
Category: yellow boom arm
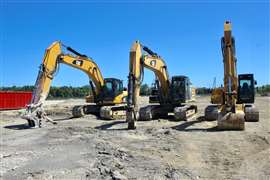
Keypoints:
pixel 52 58
pixel 137 62
pixel 229 60
pixel 158 66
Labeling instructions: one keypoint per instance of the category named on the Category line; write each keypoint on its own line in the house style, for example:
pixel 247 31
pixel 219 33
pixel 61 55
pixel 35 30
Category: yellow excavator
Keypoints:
pixel 233 103
pixel 107 94
pixel 172 96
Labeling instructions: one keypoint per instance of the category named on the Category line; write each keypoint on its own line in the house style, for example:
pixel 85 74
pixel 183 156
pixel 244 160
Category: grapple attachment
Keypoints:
pixel 35 115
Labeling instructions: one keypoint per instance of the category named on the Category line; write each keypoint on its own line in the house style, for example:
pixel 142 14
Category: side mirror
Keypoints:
pixel 255 82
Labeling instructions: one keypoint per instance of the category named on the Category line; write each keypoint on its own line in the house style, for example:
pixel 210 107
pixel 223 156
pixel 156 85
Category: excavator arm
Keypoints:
pixel 46 74
pixel 52 59
pixel 172 94
pixel 229 108
pixel 229 60
pixel 138 61
pixel 86 65
pixel 158 66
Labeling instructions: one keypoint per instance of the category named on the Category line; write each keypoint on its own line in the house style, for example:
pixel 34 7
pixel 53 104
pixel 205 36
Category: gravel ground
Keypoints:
pixel 90 148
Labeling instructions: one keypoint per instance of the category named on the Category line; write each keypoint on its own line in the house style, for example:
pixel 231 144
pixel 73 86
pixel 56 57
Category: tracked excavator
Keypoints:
pixel 233 103
pixel 173 94
pixel 107 94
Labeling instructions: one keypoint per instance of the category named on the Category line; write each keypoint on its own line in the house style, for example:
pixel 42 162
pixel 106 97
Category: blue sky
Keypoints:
pixel 186 35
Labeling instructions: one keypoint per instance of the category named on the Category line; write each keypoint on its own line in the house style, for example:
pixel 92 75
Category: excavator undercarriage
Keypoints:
pixel 104 112
pixel 180 112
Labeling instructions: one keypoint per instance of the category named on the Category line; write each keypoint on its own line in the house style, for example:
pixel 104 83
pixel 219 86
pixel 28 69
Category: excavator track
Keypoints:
pixel 81 110
pixel 251 113
pixel 113 112
pixel 183 113
pixel 78 111
pixel 104 112
pixel 211 113
pixel 146 113
pixel 151 112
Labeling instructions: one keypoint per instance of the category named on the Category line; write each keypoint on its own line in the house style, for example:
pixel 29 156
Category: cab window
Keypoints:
pixel 109 86
pixel 120 86
pixel 245 84
pixel 178 83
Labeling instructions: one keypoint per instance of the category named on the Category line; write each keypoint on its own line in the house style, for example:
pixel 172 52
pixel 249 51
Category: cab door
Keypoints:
pixel 246 88
pixel 112 88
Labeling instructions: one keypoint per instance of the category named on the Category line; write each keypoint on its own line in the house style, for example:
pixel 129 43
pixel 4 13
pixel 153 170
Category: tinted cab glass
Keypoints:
pixel 246 88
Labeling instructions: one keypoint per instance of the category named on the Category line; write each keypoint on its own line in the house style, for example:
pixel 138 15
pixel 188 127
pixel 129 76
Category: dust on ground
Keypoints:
pixel 90 148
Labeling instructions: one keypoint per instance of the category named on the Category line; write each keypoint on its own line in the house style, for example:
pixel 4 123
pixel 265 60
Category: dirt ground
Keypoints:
pixel 90 148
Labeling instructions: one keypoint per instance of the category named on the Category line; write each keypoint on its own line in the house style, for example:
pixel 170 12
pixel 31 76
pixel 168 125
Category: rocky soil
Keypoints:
pixel 90 148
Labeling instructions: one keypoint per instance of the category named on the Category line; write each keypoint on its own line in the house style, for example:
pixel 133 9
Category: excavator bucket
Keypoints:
pixel 231 121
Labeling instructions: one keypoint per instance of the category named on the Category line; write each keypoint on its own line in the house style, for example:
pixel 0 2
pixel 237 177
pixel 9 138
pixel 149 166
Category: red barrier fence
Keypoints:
pixel 14 99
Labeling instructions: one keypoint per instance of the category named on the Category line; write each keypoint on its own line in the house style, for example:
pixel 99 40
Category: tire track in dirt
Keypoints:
pixel 256 163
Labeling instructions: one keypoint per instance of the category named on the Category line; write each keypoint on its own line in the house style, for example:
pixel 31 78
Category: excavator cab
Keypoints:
pixel 154 91
pixel 181 90
pixel 112 88
pixel 246 88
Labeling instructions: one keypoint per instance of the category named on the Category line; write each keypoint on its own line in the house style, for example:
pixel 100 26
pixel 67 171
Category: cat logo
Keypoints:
pixel 78 62
pixel 153 63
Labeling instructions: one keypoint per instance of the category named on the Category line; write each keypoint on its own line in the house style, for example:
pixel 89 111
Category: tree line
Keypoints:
pixel 55 92
pixel 263 90
pixel 67 91
pixel 79 92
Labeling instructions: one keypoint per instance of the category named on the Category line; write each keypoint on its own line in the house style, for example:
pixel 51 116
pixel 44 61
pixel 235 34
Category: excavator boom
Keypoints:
pixel 229 60
pixel 53 57
pixel 136 64
pixel 46 74
pixel 229 108
pixel 168 93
